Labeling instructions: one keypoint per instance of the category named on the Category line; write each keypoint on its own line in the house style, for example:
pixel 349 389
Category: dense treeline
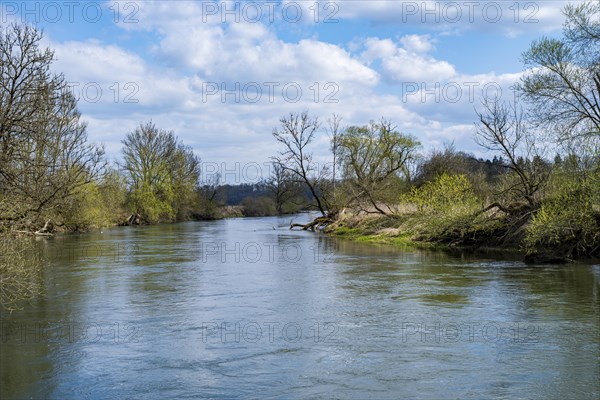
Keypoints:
pixel 540 191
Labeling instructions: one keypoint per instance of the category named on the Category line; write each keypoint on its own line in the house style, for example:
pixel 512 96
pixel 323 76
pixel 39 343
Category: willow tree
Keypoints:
pixel 163 174
pixel 375 158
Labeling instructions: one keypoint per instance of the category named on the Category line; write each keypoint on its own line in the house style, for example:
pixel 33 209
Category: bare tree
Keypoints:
pixel 502 129
pixel 26 84
pixel 296 133
pixel 334 139
pixel 211 196
pixel 563 84
pixel 438 162
pixel 282 187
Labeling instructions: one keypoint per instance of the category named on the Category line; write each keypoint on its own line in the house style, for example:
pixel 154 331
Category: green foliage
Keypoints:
pixel 445 208
pixel 258 207
pixel 346 231
pixel 44 154
pixel 184 174
pixel 96 204
pixel 86 210
pixel 20 265
pixel 446 193
pixel 569 219
pixel 482 174
pixel 375 158
pixel 563 74
pixel 113 189
pixel 163 174
pixel 152 202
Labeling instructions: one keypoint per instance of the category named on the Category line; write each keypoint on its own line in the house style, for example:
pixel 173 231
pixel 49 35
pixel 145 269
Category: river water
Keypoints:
pixel 245 308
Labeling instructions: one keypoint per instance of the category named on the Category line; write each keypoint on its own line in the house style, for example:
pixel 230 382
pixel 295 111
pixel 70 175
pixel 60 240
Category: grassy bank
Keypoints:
pixel 364 229
pixel 403 232
pixel 407 231
pixel 490 230
pixel 372 229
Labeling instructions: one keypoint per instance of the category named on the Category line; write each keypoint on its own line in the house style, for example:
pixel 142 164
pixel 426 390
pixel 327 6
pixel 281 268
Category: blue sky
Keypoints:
pixel 423 64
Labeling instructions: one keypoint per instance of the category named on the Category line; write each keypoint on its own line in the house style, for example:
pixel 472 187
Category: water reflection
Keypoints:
pixel 246 308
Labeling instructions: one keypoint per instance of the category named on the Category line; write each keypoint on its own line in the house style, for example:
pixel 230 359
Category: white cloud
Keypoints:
pixel 92 59
pixel 509 18
pixel 403 64
pixel 188 51
pixel 375 48
pixel 417 43
pixel 247 52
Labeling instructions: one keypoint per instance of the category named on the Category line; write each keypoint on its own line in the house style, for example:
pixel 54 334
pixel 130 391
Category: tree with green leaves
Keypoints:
pixel 163 174
pixel 374 158
pixel 44 154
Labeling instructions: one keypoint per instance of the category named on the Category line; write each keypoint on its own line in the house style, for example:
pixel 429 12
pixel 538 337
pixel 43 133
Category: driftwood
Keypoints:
pixel 317 223
pixel 133 219
pixel 47 229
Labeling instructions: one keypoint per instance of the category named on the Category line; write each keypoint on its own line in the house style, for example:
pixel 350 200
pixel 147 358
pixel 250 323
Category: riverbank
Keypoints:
pixel 489 231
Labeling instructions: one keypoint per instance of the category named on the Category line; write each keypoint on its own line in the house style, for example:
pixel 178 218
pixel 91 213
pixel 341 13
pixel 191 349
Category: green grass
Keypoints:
pixel 364 234
pixel 402 240
pixel 346 231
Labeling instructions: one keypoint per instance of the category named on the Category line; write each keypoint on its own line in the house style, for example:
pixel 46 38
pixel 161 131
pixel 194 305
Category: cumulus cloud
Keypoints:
pixel 409 63
pixel 190 51
pixel 249 52
pixel 416 43
pixel 405 66
pixel 107 78
pixel 375 48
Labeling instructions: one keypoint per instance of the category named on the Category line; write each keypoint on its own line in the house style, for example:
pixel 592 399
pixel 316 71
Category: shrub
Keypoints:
pixel 568 221
pixel 446 206
pixel 444 194
pixel 96 204
pixel 258 206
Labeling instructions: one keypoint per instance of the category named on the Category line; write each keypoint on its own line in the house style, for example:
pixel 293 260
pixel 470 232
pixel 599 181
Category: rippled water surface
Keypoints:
pixel 246 308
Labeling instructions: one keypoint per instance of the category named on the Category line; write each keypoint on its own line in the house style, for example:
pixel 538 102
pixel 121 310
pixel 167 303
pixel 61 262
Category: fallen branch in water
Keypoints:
pixel 47 229
pixel 317 223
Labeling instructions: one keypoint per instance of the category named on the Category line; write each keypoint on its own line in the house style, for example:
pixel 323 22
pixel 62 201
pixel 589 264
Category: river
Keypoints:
pixel 245 308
